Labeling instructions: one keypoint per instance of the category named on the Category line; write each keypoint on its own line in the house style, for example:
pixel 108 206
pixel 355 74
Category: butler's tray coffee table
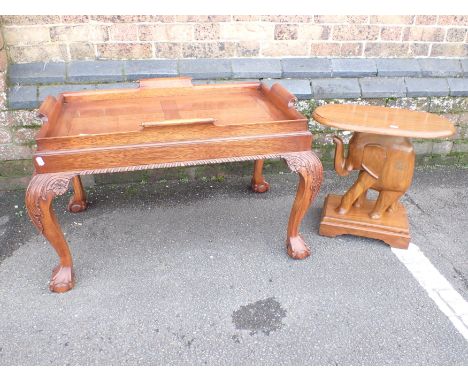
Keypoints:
pixel 165 123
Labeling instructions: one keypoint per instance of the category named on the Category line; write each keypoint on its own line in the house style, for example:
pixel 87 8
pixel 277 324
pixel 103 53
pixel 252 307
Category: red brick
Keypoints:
pixel 390 33
pixel 328 49
pixel 246 18
pixel 330 19
pixel 283 48
pixel 82 51
pixel 207 31
pixel 208 50
pixel 166 32
pixel 248 48
pixel 357 19
pixel 456 34
pixel 426 19
pixel 387 49
pixel 391 19
pixel 133 18
pixel 353 49
pixel 74 19
pixel 285 32
pixel 168 50
pixel 29 20
pixel 287 18
pixel 123 32
pixel 355 32
pixel 313 32
pixel 453 20
pixel 449 50
pixel 202 18
pixel 124 51
pixel 418 49
pixel 423 34
pixel 43 52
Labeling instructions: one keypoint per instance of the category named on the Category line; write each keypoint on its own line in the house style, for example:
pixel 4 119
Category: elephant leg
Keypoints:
pixel 362 184
pixel 394 206
pixel 41 191
pixel 361 199
pixel 258 182
pixel 78 201
pixel 384 202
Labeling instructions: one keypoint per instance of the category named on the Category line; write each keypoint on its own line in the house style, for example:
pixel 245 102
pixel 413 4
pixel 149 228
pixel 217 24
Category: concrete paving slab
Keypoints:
pixel 195 273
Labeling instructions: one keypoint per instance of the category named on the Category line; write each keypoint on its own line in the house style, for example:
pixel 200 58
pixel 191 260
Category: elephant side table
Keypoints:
pixel 381 150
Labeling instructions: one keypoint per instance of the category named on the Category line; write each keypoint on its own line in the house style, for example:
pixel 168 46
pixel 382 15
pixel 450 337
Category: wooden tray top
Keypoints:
pixel 166 109
pixel 167 121
pixel 384 121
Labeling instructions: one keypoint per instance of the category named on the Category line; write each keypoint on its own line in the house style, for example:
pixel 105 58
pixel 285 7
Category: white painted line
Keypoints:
pixel 449 301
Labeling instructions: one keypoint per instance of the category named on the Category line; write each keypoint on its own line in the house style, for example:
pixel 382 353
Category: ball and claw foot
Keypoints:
pixel 260 187
pixel 62 280
pixel 77 205
pixel 297 248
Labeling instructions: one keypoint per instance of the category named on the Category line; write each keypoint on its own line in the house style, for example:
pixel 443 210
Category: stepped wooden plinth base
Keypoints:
pixel 392 228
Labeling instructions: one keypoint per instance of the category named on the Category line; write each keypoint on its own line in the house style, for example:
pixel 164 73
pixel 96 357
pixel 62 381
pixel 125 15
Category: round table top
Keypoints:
pixel 384 121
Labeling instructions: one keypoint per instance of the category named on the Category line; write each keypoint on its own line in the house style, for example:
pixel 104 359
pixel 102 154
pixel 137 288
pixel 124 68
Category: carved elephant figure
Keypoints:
pixel 386 164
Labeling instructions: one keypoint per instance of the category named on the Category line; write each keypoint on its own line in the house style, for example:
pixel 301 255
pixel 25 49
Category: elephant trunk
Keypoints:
pixel 340 162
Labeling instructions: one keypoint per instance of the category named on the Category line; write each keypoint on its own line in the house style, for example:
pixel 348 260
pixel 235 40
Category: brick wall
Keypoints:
pixel 67 38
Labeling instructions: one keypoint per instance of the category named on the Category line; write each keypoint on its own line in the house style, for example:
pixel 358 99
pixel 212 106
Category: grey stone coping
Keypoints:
pixel 306 67
pixel 458 86
pixel 256 68
pixel 259 68
pixel 353 67
pixel 434 67
pixel 37 72
pixel 30 96
pixel 424 87
pixel 464 65
pixel 137 69
pixel 201 69
pixel 336 88
pixel 54 90
pixel 22 97
pixel 95 71
pixel 398 67
pixel 382 87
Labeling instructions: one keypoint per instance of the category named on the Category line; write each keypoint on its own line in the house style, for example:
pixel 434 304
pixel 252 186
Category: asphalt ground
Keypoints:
pixel 196 273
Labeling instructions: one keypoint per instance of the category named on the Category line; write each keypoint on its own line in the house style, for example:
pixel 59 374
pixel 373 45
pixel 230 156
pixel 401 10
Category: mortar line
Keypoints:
pixel 453 305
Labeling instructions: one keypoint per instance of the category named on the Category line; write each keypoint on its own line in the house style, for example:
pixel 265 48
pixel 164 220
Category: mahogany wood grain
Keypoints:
pixel 166 123
pixel 381 150
pixel 78 201
pixel 258 182
pixel 384 121
pixel 393 230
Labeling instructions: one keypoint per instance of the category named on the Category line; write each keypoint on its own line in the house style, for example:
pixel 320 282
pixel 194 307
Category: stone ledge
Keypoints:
pixel 300 67
pixel 30 96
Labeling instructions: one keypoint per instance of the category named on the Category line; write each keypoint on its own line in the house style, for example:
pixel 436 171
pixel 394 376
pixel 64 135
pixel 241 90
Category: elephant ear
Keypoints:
pixel 373 159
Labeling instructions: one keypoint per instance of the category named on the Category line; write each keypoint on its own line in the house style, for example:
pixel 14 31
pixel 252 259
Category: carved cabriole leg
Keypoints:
pixel 309 168
pixel 39 196
pixel 258 182
pixel 77 202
